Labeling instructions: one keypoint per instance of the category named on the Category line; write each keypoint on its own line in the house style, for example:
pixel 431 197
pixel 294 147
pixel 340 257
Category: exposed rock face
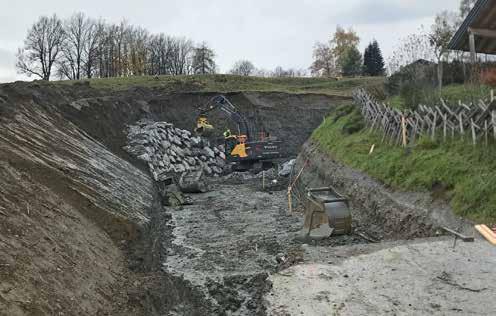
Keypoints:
pixel 170 151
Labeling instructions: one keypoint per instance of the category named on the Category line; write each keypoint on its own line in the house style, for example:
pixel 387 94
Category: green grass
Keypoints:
pixel 231 83
pixel 453 93
pixel 457 171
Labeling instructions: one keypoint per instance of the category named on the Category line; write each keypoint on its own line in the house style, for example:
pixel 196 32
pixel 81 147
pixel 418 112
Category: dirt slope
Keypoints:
pixel 69 208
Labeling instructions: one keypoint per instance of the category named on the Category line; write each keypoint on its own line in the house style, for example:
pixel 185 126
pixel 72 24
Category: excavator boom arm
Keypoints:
pixel 223 104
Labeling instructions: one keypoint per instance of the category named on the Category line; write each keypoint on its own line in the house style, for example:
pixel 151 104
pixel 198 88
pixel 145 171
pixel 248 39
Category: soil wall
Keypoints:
pixel 388 214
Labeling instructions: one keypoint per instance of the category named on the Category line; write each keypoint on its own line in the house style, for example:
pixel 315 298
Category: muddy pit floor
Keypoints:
pixel 227 244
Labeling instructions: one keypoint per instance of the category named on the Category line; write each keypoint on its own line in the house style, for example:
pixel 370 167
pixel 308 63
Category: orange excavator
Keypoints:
pixel 244 149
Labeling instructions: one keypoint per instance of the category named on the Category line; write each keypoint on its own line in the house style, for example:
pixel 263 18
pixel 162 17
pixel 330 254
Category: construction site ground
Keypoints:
pixel 84 229
pixel 219 237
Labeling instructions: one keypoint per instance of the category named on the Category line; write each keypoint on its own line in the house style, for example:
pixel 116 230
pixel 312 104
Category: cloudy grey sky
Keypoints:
pixel 270 33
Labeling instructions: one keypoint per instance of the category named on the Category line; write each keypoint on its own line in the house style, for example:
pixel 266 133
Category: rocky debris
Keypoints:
pixel 286 168
pixel 174 199
pixel 193 182
pixel 171 151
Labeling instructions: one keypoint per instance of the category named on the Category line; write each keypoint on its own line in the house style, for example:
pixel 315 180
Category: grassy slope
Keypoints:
pixel 452 94
pixel 229 83
pixel 457 171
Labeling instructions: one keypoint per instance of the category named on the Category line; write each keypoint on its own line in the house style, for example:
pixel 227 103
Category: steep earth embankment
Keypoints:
pixel 69 207
pixel 82 228
pixel 386 213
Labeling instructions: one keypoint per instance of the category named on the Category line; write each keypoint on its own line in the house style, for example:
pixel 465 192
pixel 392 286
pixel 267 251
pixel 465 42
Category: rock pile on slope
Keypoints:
pixel 172 151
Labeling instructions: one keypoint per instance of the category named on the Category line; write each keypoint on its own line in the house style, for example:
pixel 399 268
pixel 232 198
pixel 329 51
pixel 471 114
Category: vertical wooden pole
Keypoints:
pixel 445 117
pixel 461 124
pixel 403 130
pixel 473 54
pixel 290 201
pixel 474 137
pixel 493 117
pixel 492 95
pixel 433 136
pixel 485 132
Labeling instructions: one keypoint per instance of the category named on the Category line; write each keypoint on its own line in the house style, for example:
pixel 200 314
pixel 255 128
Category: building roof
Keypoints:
pixel 482 22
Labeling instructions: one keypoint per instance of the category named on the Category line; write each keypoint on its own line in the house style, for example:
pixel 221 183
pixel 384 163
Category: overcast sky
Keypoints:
pixel 270 33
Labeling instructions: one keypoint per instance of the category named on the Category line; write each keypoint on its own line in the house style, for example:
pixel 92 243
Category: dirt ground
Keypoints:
pixel 230 249
pixel 83 231
pixel 228 241
pixel 428 277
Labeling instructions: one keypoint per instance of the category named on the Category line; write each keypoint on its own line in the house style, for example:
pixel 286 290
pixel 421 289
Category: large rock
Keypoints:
pixel 287 167
pixel 208 152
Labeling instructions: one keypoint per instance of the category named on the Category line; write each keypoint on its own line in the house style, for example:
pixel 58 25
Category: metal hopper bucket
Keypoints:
pixel 326 213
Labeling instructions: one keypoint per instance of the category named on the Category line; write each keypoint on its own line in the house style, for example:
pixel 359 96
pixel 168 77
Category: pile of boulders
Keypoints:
pixel 172 151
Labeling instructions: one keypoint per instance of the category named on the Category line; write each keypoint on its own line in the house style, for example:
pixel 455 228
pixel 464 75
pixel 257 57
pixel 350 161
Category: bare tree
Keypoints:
pixel 180 57
pixel 93 36
pixel 413 48
pixel 324 61
pixel 137 41
pixel 160 51
pixel 243 68
pixel 88 48
pixel 76 30
pixel 203 60
pixel 42 47
pixel 466 6
pixel 439 37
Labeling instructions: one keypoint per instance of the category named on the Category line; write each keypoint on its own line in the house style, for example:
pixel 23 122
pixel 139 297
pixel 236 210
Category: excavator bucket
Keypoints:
pixel 203 127
pixel 326 213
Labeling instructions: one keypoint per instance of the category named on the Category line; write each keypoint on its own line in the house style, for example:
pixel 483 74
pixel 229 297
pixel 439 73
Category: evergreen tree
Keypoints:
pixel 203 60
pixel 351 62
pixel 373 61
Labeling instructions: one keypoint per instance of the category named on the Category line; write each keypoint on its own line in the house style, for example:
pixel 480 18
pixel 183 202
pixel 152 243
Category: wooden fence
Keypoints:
pixel 442 121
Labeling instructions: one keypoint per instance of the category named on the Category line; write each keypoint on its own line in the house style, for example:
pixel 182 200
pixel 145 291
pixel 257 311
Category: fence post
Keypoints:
pixel 461 124
pixel 474 137
pixel 493 116
pixel 485 132
pixel 445 117
pixel 403 130
pixel 433 136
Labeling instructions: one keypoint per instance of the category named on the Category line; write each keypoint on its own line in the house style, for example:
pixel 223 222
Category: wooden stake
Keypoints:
pixel 290 202
pixel 403 130
pixel 461 124
pixel 485 132
pixel 434 126
pixel 474 137
pixel 493 117
pixel 371 149
pixel 445 117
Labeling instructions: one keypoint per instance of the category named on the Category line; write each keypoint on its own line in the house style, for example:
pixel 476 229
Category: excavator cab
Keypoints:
pixel 240 147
